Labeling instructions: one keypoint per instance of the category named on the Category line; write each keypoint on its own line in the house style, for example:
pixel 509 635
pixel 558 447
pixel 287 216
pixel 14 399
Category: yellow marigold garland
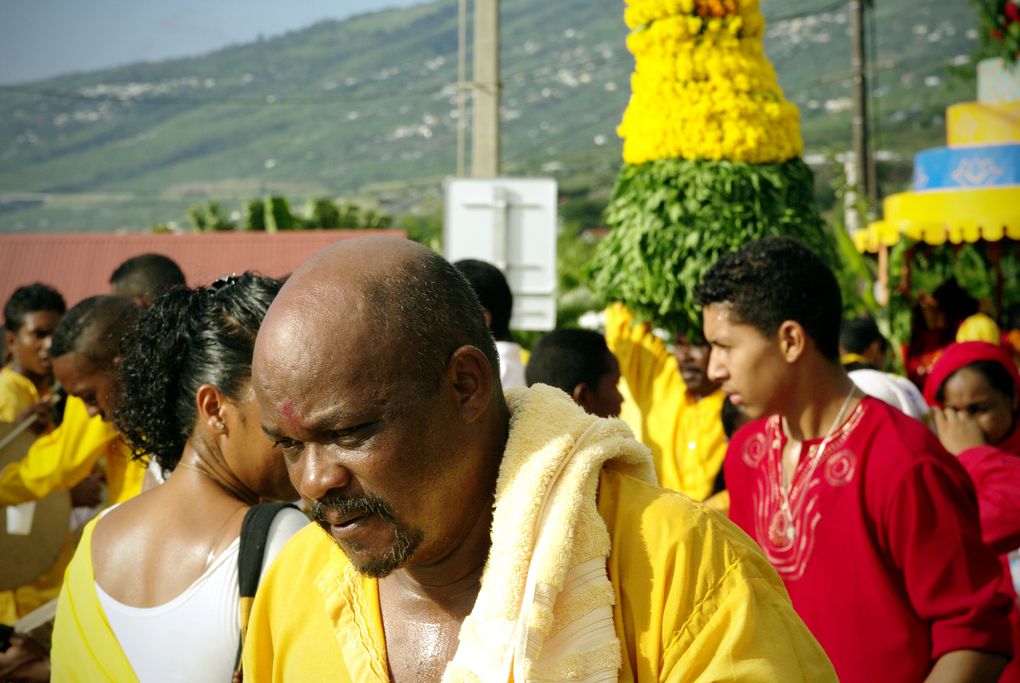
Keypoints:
pixel 702 87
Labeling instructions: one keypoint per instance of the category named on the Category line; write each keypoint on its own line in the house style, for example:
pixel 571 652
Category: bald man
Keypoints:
pixel 464 534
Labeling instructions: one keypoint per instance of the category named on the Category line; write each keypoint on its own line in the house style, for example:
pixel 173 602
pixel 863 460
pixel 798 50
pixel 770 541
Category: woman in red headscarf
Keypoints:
pixel 974 390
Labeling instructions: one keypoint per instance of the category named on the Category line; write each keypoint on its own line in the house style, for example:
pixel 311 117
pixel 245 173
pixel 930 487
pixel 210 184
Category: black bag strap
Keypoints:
pixel 254 535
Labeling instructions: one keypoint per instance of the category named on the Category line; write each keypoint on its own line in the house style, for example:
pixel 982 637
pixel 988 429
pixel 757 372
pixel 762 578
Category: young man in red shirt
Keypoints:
pixel 872 525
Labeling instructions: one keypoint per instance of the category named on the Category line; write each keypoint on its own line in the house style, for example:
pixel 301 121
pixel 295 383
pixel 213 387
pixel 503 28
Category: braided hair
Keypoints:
pixel 188 338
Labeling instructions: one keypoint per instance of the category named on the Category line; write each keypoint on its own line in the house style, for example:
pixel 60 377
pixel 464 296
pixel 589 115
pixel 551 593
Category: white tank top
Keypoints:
pixel 193 638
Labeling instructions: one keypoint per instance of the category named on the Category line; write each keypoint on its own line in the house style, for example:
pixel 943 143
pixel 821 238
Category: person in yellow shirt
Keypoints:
pixel 670 403
pixel 84 349
pixel 30 316
pixel 26 382
pixel 464 534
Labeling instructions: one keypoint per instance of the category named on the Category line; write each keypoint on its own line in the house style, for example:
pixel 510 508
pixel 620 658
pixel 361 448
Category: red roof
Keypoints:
pixel 79 265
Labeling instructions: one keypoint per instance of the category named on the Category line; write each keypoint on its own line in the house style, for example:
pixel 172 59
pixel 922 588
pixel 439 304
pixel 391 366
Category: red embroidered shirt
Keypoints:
pixel 878 542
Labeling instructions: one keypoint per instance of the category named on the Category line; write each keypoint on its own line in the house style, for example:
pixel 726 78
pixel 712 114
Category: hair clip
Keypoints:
pixel 226 281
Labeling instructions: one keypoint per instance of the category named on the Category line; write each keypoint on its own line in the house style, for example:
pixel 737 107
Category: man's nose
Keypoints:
pixel 318 472
pixel 47 342
pixel 716 370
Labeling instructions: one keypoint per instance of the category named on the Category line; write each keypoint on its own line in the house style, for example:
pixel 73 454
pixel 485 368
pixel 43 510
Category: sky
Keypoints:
pixel 43 38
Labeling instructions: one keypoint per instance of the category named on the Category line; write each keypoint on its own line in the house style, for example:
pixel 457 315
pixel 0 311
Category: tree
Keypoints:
pixel 712 158
pixel 278 215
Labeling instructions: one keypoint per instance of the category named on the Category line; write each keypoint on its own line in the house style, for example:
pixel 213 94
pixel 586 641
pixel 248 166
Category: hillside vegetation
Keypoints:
pixel 365 109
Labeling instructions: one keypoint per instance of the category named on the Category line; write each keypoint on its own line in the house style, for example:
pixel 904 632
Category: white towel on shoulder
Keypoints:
pixel 544 610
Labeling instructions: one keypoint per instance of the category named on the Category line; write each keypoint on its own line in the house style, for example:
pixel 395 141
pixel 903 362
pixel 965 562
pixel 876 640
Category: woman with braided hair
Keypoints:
pixel 162 568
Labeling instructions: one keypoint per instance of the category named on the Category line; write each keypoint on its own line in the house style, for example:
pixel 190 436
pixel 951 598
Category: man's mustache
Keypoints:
pixel 348 506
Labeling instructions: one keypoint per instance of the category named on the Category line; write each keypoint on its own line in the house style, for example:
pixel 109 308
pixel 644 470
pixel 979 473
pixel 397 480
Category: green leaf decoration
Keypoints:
pixel 671 219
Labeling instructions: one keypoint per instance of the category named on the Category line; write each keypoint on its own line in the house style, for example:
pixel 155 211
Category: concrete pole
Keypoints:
pixel 862 154
pixel 461 88
pixel 485 131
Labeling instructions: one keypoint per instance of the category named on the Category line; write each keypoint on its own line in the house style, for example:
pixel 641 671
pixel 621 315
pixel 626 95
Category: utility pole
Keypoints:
pixel 866 180
pixel 461 87
pixel 485 131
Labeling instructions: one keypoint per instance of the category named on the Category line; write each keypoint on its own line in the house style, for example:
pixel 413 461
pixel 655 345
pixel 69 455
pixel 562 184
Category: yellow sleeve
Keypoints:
pixel 60 459
pixel 16 394
pixel 696 600
pixel 642 356
pixel 748 632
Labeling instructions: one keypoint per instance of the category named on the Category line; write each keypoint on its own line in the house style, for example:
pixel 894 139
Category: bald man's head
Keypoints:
pixel 377 376
pixel 399 296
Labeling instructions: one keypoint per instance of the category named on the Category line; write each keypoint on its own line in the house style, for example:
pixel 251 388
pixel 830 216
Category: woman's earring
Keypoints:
pixel 219 426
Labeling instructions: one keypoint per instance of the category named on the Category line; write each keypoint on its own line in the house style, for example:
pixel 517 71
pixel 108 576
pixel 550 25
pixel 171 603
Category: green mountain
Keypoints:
pixel 365 109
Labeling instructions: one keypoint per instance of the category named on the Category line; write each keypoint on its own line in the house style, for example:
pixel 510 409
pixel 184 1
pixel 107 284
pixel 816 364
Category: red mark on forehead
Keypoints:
pixel 288 412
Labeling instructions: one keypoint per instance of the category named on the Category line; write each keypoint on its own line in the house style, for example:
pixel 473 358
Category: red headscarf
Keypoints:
pixel 960 355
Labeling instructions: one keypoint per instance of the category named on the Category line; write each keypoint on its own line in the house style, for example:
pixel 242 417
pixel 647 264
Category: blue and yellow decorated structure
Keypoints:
pixel 968 191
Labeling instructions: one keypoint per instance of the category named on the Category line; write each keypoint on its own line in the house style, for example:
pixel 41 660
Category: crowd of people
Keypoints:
pixel 356 475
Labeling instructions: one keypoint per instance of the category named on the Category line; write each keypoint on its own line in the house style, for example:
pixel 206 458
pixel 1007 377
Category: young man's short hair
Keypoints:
pixel 493 292
pixel 772 280
pixel 31 299
pixel 858 334
pixel 568 357
pixel 95 327
pixel 146 276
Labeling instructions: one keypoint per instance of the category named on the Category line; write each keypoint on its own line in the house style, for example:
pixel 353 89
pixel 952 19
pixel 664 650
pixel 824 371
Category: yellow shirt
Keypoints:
pixel 684 433
pixel 85 650
pixel 57 461
pixel 694 600
pixel 63 457
pixel 17 392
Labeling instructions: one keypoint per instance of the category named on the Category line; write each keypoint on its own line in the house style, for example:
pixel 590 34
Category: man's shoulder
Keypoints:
pixel 690 585
pixel 16 389
pixel 671 528
pixel 306 552
pixel 9 377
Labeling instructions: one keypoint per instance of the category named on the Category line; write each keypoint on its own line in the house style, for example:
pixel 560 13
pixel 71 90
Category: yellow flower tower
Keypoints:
pixel 711 157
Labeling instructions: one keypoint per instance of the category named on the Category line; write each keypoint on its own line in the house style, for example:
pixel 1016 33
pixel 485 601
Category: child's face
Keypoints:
pixel 968 390
pixel 30 345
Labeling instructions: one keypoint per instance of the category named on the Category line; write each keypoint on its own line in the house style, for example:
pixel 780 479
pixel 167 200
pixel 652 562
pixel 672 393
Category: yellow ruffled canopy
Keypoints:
pixel 937 217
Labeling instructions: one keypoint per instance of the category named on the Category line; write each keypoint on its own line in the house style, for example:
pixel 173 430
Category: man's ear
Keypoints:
pixel 9 339
pixel 210 403
pixel 792 340
pixel 488 318
pixel 470 375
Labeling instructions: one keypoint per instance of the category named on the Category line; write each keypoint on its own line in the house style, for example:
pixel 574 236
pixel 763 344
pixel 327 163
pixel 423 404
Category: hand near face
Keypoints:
pixel 957 430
